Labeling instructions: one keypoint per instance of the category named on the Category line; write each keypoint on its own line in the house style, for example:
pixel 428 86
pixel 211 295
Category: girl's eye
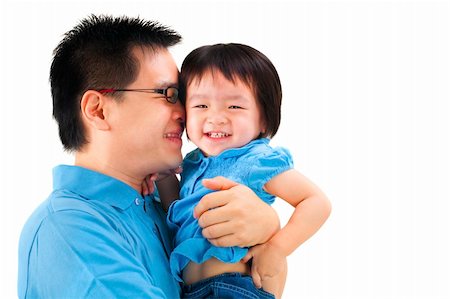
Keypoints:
pixel 235 107
pixel 200 106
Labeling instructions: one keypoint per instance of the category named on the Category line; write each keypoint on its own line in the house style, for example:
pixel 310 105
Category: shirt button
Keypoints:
pixel 137 201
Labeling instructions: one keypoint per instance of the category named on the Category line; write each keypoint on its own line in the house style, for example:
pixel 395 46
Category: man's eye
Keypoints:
pixel 200 106
pixel 235 107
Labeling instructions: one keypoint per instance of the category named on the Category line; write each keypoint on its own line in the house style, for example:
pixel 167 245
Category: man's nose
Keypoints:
pixel 178 112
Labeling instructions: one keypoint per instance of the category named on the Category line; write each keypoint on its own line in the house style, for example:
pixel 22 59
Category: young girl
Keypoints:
pixel 232 95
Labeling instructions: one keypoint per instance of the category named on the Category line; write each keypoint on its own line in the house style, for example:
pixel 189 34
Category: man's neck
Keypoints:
pixel 103 166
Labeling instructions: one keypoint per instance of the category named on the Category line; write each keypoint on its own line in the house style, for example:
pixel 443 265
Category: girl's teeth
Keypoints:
pixel 218 135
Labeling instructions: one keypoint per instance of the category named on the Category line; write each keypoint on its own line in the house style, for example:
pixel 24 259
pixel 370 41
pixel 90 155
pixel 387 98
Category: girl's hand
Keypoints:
pixel 148 186
pixel 267 262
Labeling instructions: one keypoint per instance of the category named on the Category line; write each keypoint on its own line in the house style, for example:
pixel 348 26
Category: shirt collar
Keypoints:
pixel 93 185
pixel 197 155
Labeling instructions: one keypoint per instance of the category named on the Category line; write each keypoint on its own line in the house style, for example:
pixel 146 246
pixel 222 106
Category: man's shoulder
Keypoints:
pixel 59 202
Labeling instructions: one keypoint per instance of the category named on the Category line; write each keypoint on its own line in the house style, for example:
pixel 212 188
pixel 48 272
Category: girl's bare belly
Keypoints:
pixel 212 267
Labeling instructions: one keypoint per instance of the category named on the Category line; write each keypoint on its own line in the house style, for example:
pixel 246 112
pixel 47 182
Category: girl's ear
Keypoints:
pixel 92 105
pixel 263 128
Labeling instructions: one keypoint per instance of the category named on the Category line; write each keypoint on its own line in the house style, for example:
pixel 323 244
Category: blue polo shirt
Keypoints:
pixel 95 237
pixel 253 165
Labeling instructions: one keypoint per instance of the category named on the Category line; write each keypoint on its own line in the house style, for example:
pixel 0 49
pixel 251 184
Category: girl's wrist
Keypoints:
pixel 277 247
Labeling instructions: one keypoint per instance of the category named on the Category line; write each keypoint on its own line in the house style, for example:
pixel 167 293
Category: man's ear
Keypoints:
pixel 92 105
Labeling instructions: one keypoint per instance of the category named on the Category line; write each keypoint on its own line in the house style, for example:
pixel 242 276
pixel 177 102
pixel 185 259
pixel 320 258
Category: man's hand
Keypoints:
pixel 234 216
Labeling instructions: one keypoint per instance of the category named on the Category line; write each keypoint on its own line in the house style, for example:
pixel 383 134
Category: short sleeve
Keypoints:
pixel 265 167
pixel 78 251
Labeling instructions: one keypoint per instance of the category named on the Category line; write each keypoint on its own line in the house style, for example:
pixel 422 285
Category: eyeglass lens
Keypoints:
pixel 171 94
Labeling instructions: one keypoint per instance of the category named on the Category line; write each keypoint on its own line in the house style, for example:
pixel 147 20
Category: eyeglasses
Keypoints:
pixel 169 93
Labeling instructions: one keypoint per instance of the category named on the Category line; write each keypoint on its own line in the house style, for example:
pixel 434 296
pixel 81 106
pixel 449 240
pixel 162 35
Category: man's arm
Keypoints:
pixel 76 255
pixel 235 216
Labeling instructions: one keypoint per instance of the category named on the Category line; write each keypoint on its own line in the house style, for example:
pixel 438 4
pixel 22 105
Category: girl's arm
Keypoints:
pixel 312 209
pixel 168 189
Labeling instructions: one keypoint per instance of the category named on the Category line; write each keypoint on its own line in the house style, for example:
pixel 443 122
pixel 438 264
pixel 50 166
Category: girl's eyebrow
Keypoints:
pixel 196 96
pixel 236 97
pixel 200 96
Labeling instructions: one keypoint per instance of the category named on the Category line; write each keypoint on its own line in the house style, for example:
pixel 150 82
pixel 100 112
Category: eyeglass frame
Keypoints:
pixel 161 91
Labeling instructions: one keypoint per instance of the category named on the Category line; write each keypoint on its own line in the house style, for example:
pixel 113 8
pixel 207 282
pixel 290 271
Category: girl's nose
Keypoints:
pixel 216 118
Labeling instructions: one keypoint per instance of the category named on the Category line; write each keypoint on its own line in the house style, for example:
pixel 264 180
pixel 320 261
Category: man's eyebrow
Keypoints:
pixel 164 84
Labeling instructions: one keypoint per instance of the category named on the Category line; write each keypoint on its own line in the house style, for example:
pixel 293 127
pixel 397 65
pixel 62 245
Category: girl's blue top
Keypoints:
pixel 252 165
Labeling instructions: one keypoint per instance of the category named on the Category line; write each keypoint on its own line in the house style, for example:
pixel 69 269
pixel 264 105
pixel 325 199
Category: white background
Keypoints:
pixel 365 114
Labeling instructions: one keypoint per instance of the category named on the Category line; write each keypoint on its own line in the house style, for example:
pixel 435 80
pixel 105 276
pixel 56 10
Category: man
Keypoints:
pixel 115 98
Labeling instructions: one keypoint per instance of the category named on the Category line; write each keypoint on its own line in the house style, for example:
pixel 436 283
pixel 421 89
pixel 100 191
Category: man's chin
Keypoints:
pixel 178 160
pixel 174 165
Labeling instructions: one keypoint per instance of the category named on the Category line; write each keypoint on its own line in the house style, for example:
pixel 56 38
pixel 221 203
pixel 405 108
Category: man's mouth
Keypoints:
pixel 173 135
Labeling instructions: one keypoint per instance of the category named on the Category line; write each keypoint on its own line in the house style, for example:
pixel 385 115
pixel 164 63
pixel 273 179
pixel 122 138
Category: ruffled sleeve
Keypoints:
pixel 265 167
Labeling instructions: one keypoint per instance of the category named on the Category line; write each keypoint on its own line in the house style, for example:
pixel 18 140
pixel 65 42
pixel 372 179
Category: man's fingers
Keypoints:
pixel 213 216
pixel 225 241
pixel 215 199
pixel 210 201
pixel 217 231
pixel 219 183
